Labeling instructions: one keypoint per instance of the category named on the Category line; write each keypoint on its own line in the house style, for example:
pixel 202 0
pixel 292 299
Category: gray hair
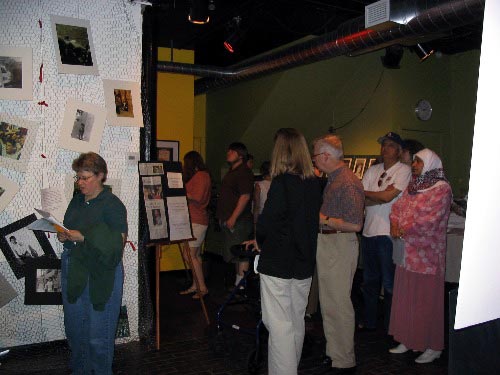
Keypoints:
pixel 331 144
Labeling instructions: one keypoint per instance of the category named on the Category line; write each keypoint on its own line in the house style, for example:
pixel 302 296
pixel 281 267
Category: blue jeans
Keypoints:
pixel 91 333
pixel 377 267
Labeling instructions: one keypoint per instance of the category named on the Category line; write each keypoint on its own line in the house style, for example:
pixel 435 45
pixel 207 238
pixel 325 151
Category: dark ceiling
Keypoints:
pixel 269 24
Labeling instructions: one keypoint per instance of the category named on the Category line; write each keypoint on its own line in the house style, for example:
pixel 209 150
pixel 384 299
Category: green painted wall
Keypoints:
pixel 362 95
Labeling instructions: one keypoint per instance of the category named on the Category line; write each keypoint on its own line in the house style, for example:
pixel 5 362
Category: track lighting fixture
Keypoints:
pixel 198 13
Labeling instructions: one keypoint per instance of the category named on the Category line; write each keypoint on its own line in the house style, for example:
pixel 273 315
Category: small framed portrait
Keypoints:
pixel 348 162
pixel 43 282
pixel 21 245
pixel 167 150
pixel 123 103
pixel 82 127
pixel 16 70
pixel 372 161
pixel 73 45
pixel 8 189
pixel 17 138
pixel 359 167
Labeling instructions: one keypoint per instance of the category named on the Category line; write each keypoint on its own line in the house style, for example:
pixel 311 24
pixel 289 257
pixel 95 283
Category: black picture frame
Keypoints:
pixel 29 245
pixel 167 151
pixel 43 282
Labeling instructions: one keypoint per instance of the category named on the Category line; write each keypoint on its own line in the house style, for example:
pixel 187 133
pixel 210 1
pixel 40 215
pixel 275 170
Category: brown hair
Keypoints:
pixel 291 154
pixel 90 162
pixel 193 162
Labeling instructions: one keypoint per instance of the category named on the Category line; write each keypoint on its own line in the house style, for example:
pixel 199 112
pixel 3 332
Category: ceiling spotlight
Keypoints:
pixel 235 36
pixel 198 13
pixel 422 52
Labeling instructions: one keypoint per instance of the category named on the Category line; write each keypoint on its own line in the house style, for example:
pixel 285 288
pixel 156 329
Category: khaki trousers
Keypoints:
pixel 283 306
pixel 337 258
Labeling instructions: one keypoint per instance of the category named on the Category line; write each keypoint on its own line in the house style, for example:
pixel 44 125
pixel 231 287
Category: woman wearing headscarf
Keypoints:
pixel 287 238
pixel 420 218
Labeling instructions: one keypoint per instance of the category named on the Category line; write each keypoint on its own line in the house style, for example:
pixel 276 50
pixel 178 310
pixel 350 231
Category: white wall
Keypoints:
pixel 116 29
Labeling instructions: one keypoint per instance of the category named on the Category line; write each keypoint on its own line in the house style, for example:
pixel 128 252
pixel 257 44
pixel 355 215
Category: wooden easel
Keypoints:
pixel 183 246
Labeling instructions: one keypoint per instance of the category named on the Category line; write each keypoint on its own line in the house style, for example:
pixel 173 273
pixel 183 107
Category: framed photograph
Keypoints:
pixel 359 167
pixel 73 45
pixel 348 162
pixel 17 138
pixel 123 103
pixel 43 282
pixel 16 69
pixel 167 150
pixel 371 162
pixel 8 189
pixel 82 127
pixel 21 245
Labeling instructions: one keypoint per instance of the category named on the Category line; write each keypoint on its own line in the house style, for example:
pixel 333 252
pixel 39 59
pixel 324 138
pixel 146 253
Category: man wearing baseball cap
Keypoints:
pixel 383 184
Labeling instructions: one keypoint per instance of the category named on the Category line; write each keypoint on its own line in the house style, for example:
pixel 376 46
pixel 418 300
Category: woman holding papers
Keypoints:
pixel 92 269
pixel 198 185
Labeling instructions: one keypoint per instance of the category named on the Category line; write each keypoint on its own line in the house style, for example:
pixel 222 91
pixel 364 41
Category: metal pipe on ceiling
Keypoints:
pixel 428 17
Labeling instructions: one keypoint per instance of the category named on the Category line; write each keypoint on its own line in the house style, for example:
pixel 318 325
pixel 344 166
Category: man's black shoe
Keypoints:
pixel 362 328
pixel 338 370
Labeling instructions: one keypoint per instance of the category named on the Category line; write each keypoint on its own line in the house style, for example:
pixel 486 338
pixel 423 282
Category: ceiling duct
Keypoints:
pixel 429 17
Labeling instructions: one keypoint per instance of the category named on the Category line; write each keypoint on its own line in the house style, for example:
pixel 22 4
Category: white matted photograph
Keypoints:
pixel 17 137
pixel 123 103
pixel 8 189
pixel 16 73
pixel 82 127
pixel 73 45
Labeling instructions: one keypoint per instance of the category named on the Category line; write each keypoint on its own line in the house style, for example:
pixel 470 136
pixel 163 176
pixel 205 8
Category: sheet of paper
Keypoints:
pixel 174 180
pixel 155 207
pixel 178 217
pixel 54 201
pixel 47 216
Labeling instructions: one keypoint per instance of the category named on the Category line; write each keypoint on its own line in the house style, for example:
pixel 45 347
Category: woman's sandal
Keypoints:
pixel 202 293
pixel 188 291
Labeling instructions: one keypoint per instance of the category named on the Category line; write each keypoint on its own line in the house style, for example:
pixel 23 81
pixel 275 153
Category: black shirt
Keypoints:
pixel 287 229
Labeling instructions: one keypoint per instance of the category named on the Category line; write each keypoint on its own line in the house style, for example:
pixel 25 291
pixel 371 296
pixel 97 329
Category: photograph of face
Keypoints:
pixel 11 72
pixel 74 46
pixel 157 220
pixel 24 245
pixel 123 103
pixel 82 126
pixel 359 167
pixel 157 168
pixel 12 138
pixel 164 154
pixel 48 280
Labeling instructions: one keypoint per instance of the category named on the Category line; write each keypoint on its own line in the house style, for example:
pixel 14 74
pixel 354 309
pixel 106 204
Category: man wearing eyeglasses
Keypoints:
pixel 341 216
pixel 383 184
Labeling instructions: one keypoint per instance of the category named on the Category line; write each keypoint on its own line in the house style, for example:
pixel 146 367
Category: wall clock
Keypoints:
pixel 423 110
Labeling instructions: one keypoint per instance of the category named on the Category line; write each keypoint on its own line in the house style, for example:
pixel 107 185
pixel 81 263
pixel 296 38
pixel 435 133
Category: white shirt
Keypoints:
pixel 377 216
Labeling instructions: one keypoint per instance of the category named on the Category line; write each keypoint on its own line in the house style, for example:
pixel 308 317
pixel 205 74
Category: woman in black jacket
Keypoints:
pixel 286 235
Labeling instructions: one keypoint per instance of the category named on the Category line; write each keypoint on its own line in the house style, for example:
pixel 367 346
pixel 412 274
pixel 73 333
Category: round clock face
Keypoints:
pixel 423 110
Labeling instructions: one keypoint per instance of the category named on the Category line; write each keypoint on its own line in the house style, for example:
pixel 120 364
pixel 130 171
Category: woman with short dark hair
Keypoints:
pixel 92 269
